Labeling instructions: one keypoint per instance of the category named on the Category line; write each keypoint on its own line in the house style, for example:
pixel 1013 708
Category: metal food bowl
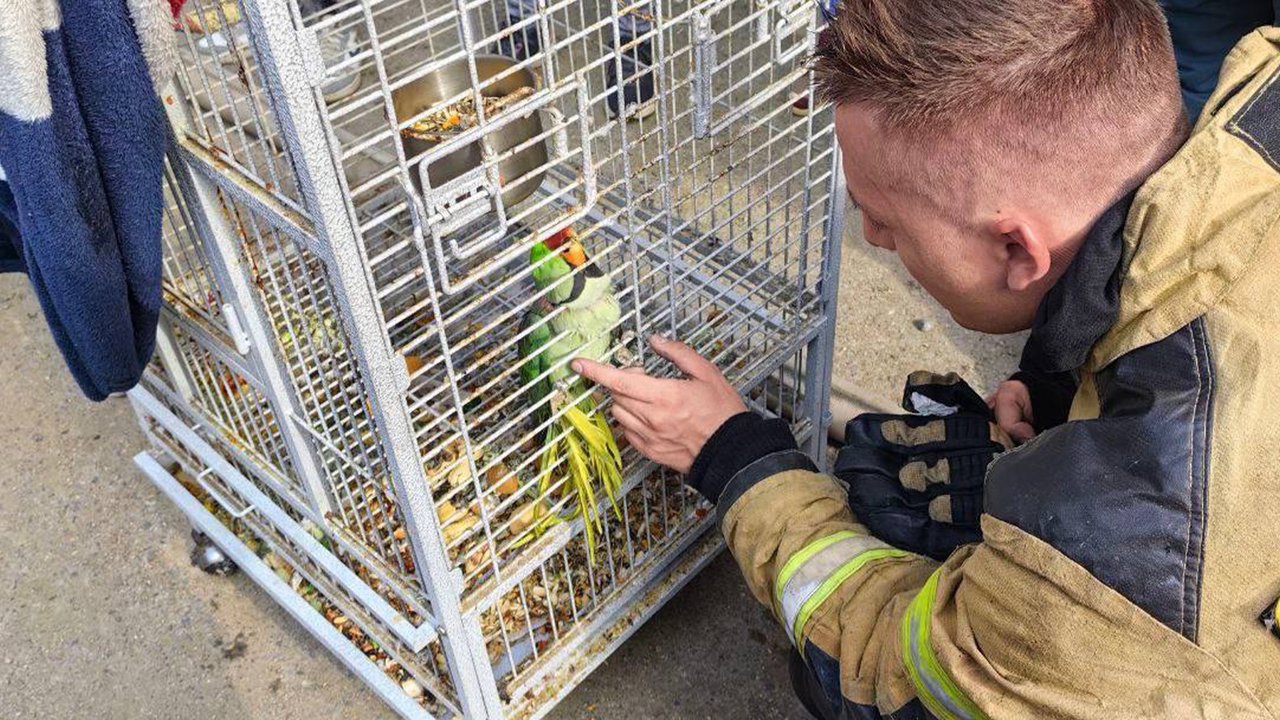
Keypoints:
pixel 449 82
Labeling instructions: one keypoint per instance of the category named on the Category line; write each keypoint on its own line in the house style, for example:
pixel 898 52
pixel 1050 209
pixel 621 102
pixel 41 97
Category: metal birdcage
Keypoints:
pixel 336 402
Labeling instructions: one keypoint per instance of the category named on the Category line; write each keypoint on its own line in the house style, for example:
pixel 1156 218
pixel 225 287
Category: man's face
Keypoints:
pixel 943 225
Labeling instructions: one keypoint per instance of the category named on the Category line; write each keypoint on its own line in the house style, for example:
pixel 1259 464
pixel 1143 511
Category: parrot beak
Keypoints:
pixel 574 254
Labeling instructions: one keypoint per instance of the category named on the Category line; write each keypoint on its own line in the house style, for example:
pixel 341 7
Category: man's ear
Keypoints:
pixel 1027 258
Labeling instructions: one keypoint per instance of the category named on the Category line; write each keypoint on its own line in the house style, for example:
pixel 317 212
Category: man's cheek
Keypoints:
pixel 934 278
pixel 921 272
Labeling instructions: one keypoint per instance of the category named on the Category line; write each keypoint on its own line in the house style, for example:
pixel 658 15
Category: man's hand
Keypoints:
pixel 667 420
pixel 1011 404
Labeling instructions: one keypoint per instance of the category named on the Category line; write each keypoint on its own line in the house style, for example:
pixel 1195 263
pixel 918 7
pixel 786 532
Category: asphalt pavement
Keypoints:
pixel 102 615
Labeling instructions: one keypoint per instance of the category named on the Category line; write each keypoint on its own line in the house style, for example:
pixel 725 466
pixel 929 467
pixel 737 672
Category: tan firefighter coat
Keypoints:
pixel 1127 553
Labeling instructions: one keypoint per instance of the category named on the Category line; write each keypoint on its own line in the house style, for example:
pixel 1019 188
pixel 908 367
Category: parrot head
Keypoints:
pixel 554 260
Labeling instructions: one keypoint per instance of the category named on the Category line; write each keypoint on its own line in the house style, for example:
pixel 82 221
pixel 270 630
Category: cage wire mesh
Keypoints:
pixel 350 209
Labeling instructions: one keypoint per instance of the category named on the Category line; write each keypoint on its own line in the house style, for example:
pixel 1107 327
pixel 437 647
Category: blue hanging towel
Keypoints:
pixel 82 143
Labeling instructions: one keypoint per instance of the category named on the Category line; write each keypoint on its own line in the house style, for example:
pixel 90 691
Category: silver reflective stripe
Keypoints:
pixel 808 578
pixel 924 674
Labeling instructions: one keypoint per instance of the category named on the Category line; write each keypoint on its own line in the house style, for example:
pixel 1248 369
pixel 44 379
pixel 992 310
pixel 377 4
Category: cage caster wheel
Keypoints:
pixel 208 557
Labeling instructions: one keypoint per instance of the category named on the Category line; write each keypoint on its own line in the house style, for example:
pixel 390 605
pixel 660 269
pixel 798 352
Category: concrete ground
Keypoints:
pixel 102 615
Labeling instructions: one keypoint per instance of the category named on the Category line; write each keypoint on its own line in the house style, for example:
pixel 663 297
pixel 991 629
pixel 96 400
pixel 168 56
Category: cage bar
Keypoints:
pixel 351 202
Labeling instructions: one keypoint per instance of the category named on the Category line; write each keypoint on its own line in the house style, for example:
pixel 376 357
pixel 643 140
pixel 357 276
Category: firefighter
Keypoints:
pixel 1030 163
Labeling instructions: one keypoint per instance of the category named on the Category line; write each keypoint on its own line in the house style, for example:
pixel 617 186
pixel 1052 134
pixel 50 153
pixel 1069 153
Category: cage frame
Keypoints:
pixel 319 218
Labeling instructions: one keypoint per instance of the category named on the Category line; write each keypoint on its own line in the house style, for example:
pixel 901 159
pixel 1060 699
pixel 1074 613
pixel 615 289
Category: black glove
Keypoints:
pixel 916 480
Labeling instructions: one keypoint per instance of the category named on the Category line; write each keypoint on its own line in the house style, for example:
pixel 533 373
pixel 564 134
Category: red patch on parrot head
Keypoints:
pixel 560 237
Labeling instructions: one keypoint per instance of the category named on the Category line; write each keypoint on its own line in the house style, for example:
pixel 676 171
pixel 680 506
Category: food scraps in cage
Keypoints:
pixel 536 611
pixel 226 13
pixel 318 601
pixel 457 117
pixel 570 586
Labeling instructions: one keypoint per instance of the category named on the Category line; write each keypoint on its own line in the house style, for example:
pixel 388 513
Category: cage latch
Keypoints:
pixel 236 330
pixel 797 20
pixel 704 60
pixel 787 37
pixel 460 201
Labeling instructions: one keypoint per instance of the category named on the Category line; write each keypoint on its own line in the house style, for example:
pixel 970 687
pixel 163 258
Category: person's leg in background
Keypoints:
pixel 525 42
pixel 634 92
pixel 1203 32
pixel 336 45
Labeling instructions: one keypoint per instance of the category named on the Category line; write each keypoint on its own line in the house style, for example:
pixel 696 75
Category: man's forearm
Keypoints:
pixel 804 555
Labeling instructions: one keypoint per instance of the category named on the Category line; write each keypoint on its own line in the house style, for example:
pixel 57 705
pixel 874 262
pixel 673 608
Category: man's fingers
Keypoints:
pixel 1007 411
pixel 636 385
pixel 1013 415
pixel 1021 432
pixel 629 420
pixel 684 357
pixel 639 442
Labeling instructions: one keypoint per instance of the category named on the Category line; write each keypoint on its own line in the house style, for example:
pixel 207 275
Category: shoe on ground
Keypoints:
pixel 633 97
pixel 800 108
pixel 519 45
pixel 337 47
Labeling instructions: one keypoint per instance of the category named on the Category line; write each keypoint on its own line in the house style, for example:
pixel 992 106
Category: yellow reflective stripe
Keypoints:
pixel 933 686
pixel 812 574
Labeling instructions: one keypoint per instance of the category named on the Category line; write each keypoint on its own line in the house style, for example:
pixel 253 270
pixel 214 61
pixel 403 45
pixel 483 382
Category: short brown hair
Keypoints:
pixel 937 63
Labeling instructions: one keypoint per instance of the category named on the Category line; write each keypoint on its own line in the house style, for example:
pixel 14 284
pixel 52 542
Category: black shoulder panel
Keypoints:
pixel 1124 495
pixel 1258 122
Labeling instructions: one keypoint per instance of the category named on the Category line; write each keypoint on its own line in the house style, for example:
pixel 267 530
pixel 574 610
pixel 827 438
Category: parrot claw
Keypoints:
pixel 623 356
pixel 559 394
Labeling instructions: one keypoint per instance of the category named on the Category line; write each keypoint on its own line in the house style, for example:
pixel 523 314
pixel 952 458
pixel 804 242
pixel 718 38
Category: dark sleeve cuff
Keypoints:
pixel 740 441
pixel 1051 396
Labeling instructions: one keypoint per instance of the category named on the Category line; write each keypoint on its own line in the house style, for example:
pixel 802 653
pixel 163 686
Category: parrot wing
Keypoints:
pixel 533 358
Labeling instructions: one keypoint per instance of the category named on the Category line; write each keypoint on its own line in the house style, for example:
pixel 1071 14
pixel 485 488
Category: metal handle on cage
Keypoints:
pixel 426 224
pixel 704 59
pixel 789 21
pixel 235 329
pixel 471 196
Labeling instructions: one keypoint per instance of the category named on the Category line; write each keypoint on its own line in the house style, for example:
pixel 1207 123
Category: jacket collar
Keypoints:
pixel 1173 250
pixel 1085 302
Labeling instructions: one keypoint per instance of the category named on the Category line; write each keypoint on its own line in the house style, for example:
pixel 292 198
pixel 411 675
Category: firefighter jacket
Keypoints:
pixel 1126 553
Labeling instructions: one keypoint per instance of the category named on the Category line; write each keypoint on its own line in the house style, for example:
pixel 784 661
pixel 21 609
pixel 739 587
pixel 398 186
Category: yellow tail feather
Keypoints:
pixel 582 446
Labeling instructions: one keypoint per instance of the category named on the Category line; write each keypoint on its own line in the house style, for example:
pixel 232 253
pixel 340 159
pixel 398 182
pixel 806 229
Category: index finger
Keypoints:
pixel 689 361
pixel 630 383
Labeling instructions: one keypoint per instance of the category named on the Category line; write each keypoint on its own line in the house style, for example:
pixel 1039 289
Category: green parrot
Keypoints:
pixel 576 317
